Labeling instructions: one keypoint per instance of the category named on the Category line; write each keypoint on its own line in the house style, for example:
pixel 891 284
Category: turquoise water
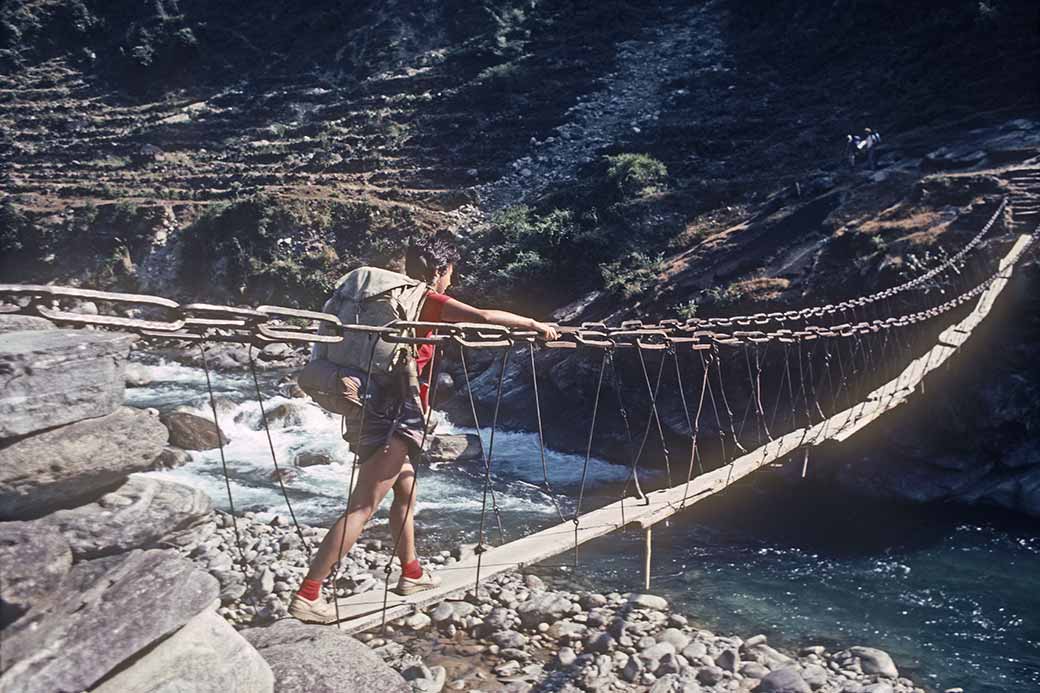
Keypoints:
pixel 953 595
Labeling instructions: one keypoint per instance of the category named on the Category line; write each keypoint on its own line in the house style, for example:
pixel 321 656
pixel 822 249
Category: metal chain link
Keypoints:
pixel 267 324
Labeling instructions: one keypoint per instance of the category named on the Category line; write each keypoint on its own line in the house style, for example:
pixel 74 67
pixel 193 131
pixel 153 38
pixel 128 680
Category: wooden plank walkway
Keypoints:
pixel 364 611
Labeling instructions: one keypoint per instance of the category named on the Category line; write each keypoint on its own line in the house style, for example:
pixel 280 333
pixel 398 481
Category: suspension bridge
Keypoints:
pixel 818 374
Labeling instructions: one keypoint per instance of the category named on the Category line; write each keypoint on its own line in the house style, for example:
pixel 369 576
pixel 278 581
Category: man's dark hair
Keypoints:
pixel 429 256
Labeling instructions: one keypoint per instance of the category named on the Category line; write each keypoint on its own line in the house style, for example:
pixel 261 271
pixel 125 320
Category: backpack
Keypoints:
pixel 375 297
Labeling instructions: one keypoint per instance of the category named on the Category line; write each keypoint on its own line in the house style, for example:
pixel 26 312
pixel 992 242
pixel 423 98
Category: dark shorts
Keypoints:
pixel 392 408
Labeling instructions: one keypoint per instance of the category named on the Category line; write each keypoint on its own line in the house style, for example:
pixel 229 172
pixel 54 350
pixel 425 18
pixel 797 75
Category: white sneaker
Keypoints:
pixel 317 611
pixel 426 581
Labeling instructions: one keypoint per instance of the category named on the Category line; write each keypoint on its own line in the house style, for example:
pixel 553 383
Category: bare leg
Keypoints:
pixel 375 479
pixel 402 514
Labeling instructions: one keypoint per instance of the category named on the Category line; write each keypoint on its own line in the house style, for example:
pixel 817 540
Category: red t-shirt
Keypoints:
pixel 431 312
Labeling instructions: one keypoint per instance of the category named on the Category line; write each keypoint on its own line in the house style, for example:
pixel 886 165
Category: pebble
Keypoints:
pixel 509 639
pixel 755 640
pixel 648 601
pixel 694 651
pixel 754 670
pixel 676 637
pixel 709 676
pixel 658 650
pixel 728 660
pixel 566 657
pixel 600 642
pixel 786 680
pixel 443 612
pixel 633 670
pixel 418 621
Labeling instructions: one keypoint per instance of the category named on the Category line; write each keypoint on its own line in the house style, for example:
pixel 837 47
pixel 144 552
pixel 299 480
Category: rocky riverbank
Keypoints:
pixel 521 634
pixel 95 594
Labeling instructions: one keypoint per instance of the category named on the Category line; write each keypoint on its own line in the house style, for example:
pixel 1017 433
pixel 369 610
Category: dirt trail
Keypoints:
pixel 631 99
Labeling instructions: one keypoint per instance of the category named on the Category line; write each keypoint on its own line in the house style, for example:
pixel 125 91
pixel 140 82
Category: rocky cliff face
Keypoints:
pixel 973 436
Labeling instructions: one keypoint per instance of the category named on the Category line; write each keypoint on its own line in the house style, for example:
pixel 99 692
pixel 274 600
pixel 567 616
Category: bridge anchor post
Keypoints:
pixel 647 550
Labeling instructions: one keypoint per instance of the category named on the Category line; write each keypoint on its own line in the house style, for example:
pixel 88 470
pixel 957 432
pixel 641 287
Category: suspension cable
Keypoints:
pixel 588 453
pixel 541 436
pixel 243 563
pixel 480 549
pixel 274 457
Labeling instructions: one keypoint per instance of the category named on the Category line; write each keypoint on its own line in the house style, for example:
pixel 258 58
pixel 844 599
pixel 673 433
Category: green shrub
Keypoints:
pixel 687 310
pixel 305 282
pixel 632 275
pixel 539 246
pixel 634 175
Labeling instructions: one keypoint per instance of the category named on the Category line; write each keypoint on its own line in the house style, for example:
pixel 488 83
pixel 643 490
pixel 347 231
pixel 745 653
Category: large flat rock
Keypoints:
pixel 67 466
pixel 34 560
pixel 19 323
pixel 138 514
pixel 205 656
pixel 56 377
pixel 318 659
pixel 102 614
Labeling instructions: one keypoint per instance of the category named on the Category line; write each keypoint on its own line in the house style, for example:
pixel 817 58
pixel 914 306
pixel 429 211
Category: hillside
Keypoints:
pixel 604 160
pixel 271 146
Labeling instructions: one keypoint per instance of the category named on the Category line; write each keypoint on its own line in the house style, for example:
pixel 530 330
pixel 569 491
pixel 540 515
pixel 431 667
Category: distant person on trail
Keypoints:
pixel 870 141
pixel 851 147
pixel 397 405
pixel 867 144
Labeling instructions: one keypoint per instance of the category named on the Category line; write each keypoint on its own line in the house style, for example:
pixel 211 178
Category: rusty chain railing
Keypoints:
pixel 168 320
pixel 155 317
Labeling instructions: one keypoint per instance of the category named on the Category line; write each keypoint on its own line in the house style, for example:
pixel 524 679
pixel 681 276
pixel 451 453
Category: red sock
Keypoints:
pixel 412 570
pixel 310 589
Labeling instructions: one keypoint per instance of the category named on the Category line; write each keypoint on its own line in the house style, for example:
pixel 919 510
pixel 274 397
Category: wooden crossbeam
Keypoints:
pixel 364 611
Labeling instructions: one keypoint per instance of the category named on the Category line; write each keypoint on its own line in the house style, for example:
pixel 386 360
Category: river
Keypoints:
pixel 952 595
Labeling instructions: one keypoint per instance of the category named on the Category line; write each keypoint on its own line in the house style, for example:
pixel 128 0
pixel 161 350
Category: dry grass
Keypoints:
pixel 918 229
pixel 759 289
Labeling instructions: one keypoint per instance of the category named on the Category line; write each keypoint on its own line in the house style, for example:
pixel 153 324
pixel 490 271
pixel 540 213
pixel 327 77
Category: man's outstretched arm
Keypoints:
pixel 457 311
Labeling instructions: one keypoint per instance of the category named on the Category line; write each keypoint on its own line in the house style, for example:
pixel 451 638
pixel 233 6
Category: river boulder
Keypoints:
pixel 285 415
pixel 547 607
pixel 193 432
pixel 138 514
pixel 34 560
pixel 454 448
pixel 871 661
pixel 103 612
pixel 207 655
pixel 20 323
pixel 317 659
pixel 171 458
pixel 57 377
pixel 137 375
pixel 73 464
pixel 311 458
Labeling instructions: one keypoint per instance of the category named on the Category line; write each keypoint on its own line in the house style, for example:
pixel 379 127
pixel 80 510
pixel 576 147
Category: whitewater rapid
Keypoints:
pixel 450 499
